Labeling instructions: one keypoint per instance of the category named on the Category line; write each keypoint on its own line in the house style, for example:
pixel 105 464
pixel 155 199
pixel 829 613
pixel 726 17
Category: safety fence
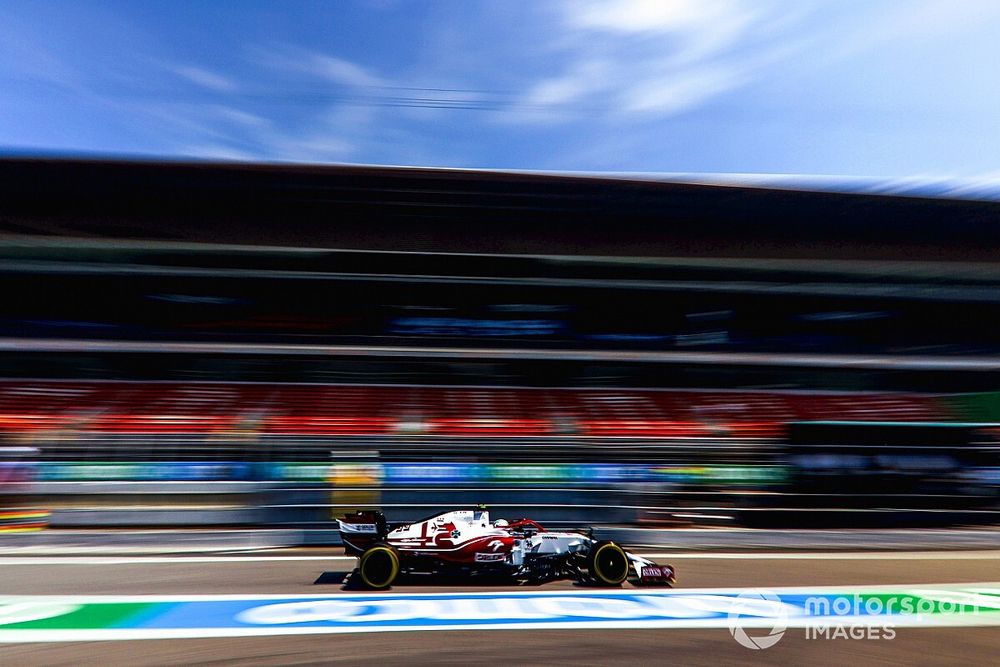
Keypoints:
pixel 309 495
pixel 825 474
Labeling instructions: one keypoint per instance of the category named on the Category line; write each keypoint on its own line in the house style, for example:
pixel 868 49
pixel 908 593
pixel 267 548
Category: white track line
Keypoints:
pixel 977 587
pixel 179 560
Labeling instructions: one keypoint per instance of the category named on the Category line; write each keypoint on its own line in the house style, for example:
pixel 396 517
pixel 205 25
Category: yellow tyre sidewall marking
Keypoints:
pixel 392 575
pixel 597 565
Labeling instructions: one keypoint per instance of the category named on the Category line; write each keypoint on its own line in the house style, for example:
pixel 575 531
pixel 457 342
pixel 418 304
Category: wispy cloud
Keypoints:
pixel 651 56
pixel 682 90
pixel 318 66
pixel 342 71
pixel 205 78
pixel 640 15
pixel 237 117
pixel 586 77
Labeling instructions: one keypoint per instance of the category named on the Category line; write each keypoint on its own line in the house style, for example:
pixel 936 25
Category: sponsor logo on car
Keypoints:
pixel 490 558
pixel 358 527
pixel 656 572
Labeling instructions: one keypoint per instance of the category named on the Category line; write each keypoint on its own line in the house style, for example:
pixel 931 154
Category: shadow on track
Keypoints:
pixel 350 581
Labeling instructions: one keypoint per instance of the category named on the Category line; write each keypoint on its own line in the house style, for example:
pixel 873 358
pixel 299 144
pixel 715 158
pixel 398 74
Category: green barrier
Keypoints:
pixel 978 407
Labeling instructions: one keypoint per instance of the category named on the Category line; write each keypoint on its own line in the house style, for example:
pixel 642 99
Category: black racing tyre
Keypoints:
pixel 607 564
pixel 378 566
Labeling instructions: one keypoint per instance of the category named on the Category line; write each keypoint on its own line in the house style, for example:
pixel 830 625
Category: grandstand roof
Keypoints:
pixel 443 210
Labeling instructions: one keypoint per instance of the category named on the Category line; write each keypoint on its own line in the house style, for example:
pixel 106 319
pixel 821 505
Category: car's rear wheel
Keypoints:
pixel 378 566
pixel 607 564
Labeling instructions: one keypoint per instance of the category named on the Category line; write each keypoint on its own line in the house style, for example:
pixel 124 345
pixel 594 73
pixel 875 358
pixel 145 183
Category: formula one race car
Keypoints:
pixel 465 543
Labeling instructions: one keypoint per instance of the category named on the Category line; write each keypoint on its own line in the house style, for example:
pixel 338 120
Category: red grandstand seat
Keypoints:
pixel 220 408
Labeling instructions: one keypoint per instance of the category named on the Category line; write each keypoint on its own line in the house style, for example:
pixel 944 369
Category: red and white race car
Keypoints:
pixel 466 543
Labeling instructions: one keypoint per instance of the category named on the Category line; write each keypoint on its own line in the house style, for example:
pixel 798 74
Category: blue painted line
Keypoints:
pixel 458 609
pixel 218 616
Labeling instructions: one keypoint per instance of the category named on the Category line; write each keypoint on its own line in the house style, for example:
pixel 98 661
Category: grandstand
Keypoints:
pixel 264 324
pixel 214 409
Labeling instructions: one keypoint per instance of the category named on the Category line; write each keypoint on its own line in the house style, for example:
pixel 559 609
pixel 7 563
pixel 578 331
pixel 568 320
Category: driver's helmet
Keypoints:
pixel 501 523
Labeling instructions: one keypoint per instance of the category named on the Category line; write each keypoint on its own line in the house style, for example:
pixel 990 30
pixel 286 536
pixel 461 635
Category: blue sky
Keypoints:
pixel 880 89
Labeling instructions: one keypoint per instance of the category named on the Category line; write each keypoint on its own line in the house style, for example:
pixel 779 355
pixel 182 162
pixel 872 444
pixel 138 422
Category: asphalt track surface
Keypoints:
pixel 276 573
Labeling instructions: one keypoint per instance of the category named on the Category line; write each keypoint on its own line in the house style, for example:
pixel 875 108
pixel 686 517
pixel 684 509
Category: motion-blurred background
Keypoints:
pixel 215 346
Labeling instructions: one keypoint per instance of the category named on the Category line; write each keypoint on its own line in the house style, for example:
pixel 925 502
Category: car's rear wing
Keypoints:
pixel 360 530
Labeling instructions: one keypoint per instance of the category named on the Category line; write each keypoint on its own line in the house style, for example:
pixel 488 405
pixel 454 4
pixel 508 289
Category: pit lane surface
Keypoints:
pixel 295 574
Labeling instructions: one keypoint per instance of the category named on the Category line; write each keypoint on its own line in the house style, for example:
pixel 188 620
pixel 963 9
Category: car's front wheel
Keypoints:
pixel 378 566
pixel 607 564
